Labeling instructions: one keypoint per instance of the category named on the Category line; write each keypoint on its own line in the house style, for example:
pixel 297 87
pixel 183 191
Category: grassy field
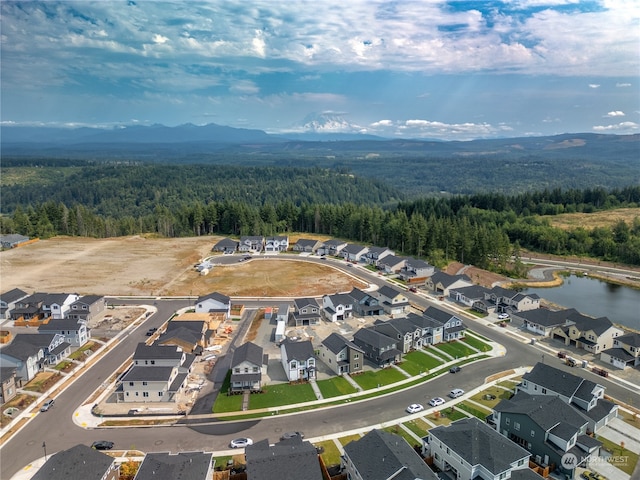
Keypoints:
pixel 417 362
pixel 590 221
pixel 386 376
pixel 335 387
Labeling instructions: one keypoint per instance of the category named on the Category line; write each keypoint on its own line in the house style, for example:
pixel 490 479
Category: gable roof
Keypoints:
pixel 42 340
pixel 157 352
pixel 445 279
pixel 370 336
pixel 300 351
pixel 388 292
pixel 555 380
pixel 6 373
pixel 390 261
pixel 13 295
pixel 438 315
pixel 381 454
pixel 417 263
pixel 20 350
pixel 545 317
pixel 472 291
pixel 305 302
pixel 422 321
pixel 76 463
pixel 177 466
pixel 336 342
pixel 218 297
pixel 341 299
pixel 479 444
pixel 249 352
pixel 307 242
pixel 60 324
pixel 631 339
pixel 354 248
pixel 292 459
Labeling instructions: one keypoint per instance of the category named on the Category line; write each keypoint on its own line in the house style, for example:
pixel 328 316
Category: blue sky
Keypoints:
pixel 453 70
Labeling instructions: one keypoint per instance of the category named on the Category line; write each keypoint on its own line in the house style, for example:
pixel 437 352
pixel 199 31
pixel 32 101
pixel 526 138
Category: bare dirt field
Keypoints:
pixel 156 266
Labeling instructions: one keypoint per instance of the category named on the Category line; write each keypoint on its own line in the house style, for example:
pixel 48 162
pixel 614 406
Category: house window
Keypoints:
pixel 356 365
pixel 131 384
pixel 246 369
pixel 159 394
pixel 237 369
pixel 294 364
pixel 544 391
pixel 516 425
pixel 145 394
pixel 255 369
pixel 533 433
pixel 535 387
pixel 144 383
pixel 507 421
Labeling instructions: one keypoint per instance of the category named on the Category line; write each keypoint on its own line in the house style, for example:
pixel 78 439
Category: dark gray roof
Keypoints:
pixel 156 352
pixel 39 339
pixel 60 348
pixel 597 413
pixel 182 333
pixel 178 466
pixel 13 295
pixel 219 297
pixel 76 463
pixel 438 315
pixel 292 459
pixel 336 342
pixel 564 431
pixel 479 444
pixel 598 325
pixel 149 374
pixel 544 317
pixel 354 248
pixel 403 325
pixel 472 291
pixel 300 351
pixel 525 474
pixel 553 379
pixel 6 373
pixel 334 243
pixel 20 350
pixel 388 292
pixel 381 454
pixel 446 279
pixel 422 321
pixel 589 441
pixel 631 339
pixel 416 263
pixel 341 299
pixel 369 336
pixel 59 324
pixel 391 260
pixel 619 353
pixel 226 242
pixel 89 299
pixel 307 242
pixel 585 390
pixel 247 352
pixel 305 302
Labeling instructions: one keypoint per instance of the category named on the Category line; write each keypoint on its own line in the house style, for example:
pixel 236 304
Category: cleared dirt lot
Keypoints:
pixel 156 266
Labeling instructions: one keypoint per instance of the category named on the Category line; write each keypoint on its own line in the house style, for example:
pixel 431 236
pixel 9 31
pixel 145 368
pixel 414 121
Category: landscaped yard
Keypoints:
pixel 417 362
pixel 349 438
pixel 474 410
pixel 455 349
pixel 628 458
pixel 331 454
pixel 476 343
pixel 42 382
pixel 484 397
pixel 418 426
pixel 335 387
pixel 385 376
pixel 398 430
pixel 434 351
pixel 80 353
pixel 282 394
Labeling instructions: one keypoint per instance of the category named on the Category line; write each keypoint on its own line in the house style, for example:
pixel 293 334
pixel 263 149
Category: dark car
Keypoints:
pixel 288 435
pixel 151 331
pixel 102 445
pixel 455 369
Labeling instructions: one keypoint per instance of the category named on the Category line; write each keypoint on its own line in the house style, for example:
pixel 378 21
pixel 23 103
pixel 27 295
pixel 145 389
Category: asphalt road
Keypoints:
pixel 57 429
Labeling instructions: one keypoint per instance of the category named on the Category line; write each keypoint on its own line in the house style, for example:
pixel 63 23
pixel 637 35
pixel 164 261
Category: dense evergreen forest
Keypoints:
pixel 105 200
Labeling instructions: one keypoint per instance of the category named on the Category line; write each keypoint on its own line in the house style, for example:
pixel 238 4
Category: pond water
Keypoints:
pixel 596 298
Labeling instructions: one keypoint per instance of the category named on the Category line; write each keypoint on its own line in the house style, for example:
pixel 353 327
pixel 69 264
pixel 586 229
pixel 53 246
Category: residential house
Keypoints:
pixel 75 332
pixel 543 321
pixel 441 282
pixel 213 321
pixel 625 352
pixel 8 301
pixel 472 296
pixel 214 303
pixel 276 244
pixel 548 428
pixel 248 365
pixel 25 357
pixel 12 240
pixel 252 244
pixel 584 395
pixel 431 330
pixel 380 455
pixel 176 466
pixel 353 252
pixel 226 245
pixel 160 356
pixel 298 360
pixel 379 349
pixel 57 305
pixel 307 312
pixel 376 253
pixel 415 271
pixel 54 345
pixel 331 247
pixel 307 245
pixel 591 334
pixel 79 461
pixel 8 384
pixel 190 336
pixel 365 304
pixel 391 264
pixel 86 308
pixel 406 333
pixel 394 302
pixel 337 307
pixel 341 355
pixel 470 449
pixel 506 300
pixel 453 328
pixel 289 459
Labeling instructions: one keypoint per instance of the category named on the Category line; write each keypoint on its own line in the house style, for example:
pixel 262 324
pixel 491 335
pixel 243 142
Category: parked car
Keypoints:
pixel 436 402
pixel 503 316
pixel 455 369
pixel 151 331
pixel 240 442
pixel 414 408
pixel 456 392
pixel 47 405
pixel 589 475
pixel 288 435
pixel 413 289
pixel 102 445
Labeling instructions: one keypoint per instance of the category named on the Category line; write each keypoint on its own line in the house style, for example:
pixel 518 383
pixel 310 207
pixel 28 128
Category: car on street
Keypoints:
pixel 456 392
pixel 413 289
pixel 240 442
pixel 455 369
pixel 503 316
pixel 47 405
pixel 436 402
pixel 589 475
pixel 102 445
pixel 414 408
pixel 287 435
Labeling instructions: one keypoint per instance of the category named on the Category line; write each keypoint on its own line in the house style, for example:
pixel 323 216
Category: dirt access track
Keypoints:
pixel 139 265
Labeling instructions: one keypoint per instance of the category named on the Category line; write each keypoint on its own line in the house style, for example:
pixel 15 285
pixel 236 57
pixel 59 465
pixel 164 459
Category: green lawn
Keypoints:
pixel 473 410
pixel 477 344
pixel 282 394
pixel 398 430
pixel 331 454
pixel 386 376
pixel 417 362
pixel 477 335
pixel 628 459
pixel 434 351
pixel 418 426
pixel 455 349
pixel 79 353
pixel 335 387
pixel 497 392
pixel 348 439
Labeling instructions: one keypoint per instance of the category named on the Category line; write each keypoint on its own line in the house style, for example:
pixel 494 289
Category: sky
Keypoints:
pixel 449 70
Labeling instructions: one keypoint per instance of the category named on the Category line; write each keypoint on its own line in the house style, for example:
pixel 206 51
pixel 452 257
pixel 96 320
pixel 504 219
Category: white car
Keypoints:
pixel 503 316
pixel 436 402
pixel 456 392
pixel 241 442
pixel 414 408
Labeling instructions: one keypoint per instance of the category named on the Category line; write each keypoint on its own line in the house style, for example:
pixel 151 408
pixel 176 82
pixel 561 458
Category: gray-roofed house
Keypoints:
pixel 176 466
pixel 376 253
pixel 226 245
pixel 472 449
pixel 27 359
pixel 279 243
pixel 591 334
pixel 12 240
pixel 298 360
pixel 214 303
pixel 407 334
pixel 341 355
pixel 8 300
pixel 625 351
pixel 331 247
pixel 353 252
pixel 306 245
pixel 193 336
pixel 506 300
pixel 441 282
pixel 453 328
pixel 40 307
pixel 394 302
pixel 79 462
pixel 86 307
pixel 251 243
pixel 337 307
pixel 472 296
pixel 75 332
pixel 415 271
pixel 248 365
pixel 379 349
pixel 158 356
pixel 543 321
pixel 306 312
pixel 365 304
pixel 431 330
pixel 547 427
pixel 584 395
pixel 290 459
pixel 380 455
pixel 54 345
pixel 391 264
pixel 8 383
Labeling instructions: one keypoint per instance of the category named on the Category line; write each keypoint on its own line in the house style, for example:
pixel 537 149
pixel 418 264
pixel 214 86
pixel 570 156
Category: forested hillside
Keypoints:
pixel 103 200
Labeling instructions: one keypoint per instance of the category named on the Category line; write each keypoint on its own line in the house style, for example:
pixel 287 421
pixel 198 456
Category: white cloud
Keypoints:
pixel 382 123
pixel 623 85
pixel 157 38
pixel 624 127
pixel 594 85
pixel 616 113
pixel 244 87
